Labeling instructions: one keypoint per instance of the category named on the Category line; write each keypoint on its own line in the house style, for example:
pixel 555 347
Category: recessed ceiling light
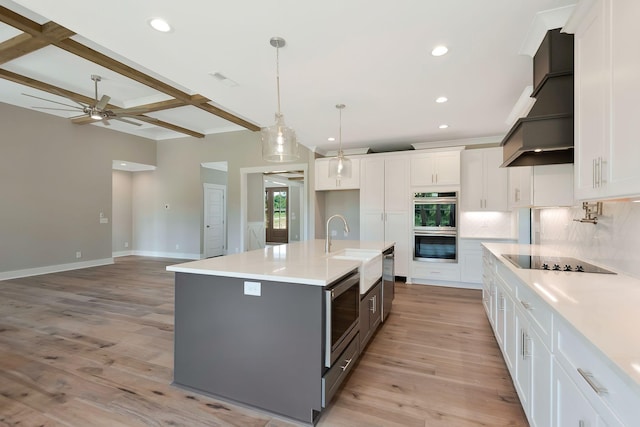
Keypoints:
pixel 443 126
pixel 160 24
pixel 439 50
pixel 441 99
pixel 331 139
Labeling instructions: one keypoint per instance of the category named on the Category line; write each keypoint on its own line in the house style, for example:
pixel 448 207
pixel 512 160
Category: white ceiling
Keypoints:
pixel 372 55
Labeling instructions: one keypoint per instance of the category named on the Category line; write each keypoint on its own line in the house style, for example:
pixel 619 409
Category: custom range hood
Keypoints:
pixel 545 135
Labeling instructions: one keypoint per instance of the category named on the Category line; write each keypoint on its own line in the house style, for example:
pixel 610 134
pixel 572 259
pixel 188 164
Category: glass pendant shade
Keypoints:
pixel 279 143
pixel 339 167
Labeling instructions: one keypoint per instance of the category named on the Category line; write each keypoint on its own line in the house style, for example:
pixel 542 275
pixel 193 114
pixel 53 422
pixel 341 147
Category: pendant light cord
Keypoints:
pixel 340 132
pixel 278 76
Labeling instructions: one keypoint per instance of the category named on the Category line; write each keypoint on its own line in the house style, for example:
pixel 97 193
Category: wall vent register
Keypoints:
pixel 533 262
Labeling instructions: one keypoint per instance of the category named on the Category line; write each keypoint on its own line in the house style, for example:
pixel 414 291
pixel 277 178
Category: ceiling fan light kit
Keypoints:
pixel 279 142
pixel 340 166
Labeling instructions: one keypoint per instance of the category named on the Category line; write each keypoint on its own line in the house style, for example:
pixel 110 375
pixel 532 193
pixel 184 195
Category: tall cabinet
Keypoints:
pixel 385 203
pixel 607 65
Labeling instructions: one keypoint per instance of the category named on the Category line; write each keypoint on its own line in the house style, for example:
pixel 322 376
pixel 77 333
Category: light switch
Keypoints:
pixel 252 288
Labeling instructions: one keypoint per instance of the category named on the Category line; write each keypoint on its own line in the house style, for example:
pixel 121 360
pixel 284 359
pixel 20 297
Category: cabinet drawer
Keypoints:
pixel 436 271
pixel 613 399
pixel 339 371
pixel 538 312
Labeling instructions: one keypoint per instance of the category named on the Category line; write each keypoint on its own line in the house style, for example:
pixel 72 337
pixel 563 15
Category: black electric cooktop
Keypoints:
pixel 534 262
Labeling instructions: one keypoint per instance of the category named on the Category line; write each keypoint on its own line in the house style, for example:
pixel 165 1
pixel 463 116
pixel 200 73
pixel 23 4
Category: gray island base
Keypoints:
pixel 278 329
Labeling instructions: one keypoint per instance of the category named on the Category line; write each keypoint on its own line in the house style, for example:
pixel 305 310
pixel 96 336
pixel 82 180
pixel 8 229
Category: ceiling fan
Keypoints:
pixel 99 110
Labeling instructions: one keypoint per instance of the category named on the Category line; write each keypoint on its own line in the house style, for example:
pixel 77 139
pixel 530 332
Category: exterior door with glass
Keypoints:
pixel 276 215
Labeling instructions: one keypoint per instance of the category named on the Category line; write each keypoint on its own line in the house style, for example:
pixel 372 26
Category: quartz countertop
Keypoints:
pixel 299 262
pixel 604 308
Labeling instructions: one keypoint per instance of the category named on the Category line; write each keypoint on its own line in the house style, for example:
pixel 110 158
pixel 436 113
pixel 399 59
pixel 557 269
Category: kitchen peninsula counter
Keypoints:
pixel 252 327
pixel 603 308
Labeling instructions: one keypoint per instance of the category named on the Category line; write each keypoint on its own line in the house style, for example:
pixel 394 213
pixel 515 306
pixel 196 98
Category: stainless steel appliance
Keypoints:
pixel 435 232
pixel 388 281
pixel 342 314
pixel 534 262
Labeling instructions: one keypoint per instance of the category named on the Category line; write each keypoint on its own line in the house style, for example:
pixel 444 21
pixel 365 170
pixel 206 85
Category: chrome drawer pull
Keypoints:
pixel 344 368
pixel 588 377
pixel 526 305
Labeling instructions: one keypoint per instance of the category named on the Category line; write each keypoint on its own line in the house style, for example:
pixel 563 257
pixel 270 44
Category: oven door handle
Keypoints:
pixel 435 233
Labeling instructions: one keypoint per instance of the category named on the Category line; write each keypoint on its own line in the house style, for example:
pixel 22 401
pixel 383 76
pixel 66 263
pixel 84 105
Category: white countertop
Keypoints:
pixel 604 308
pixel 300 262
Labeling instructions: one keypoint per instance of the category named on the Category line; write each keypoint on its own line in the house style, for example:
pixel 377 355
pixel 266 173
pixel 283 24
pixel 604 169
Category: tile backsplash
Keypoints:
pixel 497 225
pixel 614 241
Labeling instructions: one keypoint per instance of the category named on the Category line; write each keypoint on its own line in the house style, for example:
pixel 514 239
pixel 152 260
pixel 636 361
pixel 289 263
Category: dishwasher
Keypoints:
pixel 388 281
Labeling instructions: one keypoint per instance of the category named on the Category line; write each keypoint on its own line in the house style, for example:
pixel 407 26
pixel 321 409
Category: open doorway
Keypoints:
pixel 282 219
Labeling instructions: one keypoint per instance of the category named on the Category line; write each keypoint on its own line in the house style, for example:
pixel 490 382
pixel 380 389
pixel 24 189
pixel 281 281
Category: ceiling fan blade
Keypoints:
pixel 71 99
pixel 57 109
pixel 127 121
pixel 55 102
pixel 103 102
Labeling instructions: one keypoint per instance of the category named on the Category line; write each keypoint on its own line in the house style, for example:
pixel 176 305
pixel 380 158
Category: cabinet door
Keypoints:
pixel 372 226
pixel 496 179
pixel 472 195
pixel 522 379
pixel 571 408
pixel 591 100
pixel 520 181
pixel 500 317
pixel 510 333
pixel 398 229
pixel 541 382
pixel 553 185
pixel 353 182
pixel 447 168
pixel 372 183
pixel 323 182
pixel 397 192
pixel 423 170
pixel 624 152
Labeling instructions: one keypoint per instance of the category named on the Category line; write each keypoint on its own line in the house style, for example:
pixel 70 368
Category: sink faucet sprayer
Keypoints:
pixel 327 243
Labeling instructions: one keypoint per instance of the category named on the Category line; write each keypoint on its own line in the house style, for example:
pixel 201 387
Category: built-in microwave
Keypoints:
pixel 435 211
pixel 435 246
pixel 342 313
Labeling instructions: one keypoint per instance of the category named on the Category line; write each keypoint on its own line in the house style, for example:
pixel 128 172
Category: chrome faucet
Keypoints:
pixel 327 243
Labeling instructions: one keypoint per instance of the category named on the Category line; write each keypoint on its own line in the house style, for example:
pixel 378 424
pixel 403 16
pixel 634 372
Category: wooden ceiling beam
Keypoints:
pixel 85 120
pixel 37 36
pixel 46 87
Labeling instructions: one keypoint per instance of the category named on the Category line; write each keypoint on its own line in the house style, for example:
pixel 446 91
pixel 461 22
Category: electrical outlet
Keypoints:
pixel 334 233
pixel 252 288
pixel 78 254
pixel 177 246
pixel 126 244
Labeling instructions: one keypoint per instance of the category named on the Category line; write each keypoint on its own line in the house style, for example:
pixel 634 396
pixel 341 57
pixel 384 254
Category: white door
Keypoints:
pixel 214 220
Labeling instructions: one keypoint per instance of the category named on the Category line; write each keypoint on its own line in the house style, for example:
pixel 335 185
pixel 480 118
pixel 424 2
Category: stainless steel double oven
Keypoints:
pixel 435 226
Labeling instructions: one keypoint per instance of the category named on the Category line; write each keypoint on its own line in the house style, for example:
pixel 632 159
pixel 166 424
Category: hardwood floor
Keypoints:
pixel 94 347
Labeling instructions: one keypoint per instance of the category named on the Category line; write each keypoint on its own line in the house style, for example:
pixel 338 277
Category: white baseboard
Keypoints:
pixel 121 253
pixel 176 255
pixel 16 274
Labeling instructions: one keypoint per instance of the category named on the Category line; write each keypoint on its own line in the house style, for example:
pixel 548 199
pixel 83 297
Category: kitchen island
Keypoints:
pixel 252 327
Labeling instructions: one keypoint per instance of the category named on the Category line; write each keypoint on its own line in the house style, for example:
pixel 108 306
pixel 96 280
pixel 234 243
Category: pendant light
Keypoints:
pixel 340 166
pixel 279 142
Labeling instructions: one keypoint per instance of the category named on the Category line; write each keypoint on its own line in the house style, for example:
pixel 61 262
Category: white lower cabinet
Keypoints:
pixel 571 408
pixel 561 380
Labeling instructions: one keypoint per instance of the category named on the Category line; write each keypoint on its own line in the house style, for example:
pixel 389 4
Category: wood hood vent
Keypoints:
pixel 545 135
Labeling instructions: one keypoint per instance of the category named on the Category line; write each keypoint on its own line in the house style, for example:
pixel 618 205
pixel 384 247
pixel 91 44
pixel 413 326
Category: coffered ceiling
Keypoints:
pixel 372 55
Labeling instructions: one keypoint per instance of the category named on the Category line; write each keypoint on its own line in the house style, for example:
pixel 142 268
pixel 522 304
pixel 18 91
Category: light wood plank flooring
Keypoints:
pixel 94 347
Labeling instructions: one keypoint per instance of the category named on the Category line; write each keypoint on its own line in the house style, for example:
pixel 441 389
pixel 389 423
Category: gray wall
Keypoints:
pixel 213 176
pixel 295 232
pixel 177 182
pixel 122 213
pixel 255 197
pixel 347 204
pixel 55 179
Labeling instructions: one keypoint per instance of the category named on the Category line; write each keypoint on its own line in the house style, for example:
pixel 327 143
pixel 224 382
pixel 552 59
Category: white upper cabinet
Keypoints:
pixel 323 182
pixel 607 65
pixel 541 186
pixel 484 182
pixel 435 168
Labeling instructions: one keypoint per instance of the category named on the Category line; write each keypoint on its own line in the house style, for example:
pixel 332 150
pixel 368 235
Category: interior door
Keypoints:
pixel 276 215
pixel 214 220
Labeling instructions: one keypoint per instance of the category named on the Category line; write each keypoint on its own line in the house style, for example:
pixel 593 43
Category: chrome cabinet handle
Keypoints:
pixel 517 195
pixel 436 177
pixel 588 377
pixel 525 345
pixel 526 305
pixel 581 423
pixel 372 300
pixel 344 368
pixel 593 174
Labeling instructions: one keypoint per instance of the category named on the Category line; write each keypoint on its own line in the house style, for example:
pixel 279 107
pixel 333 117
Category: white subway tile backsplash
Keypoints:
pixel 498 225
pixel 614 241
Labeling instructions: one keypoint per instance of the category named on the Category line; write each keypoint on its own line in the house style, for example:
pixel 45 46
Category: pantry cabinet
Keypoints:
pixel 435 168
pixel 484 182
pixel 385 203
pixel 607 64
pixel 324 182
